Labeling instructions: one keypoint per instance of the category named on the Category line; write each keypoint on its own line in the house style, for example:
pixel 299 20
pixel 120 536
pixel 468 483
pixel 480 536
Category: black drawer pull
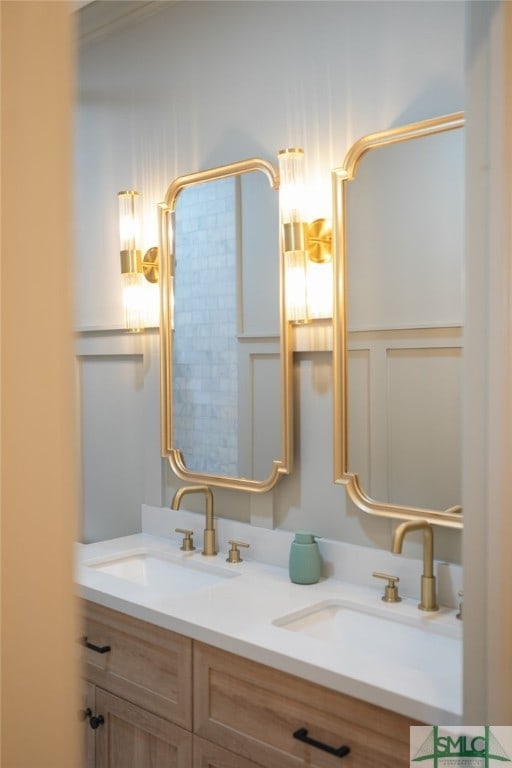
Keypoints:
pixel 302 735
pixel 97 648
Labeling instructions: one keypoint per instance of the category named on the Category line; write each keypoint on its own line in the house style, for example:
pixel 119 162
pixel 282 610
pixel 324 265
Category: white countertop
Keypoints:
pixel 237 615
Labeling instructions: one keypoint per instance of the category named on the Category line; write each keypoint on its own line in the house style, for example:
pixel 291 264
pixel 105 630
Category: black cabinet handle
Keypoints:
pixel 97 648
pixel 94 720
pixel 302 735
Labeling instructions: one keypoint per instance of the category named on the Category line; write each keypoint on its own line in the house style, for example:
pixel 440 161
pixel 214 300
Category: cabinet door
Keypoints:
pixel 88 743
pixel 257 712
pixel 145 664
pixel 131 737
pixel 208 755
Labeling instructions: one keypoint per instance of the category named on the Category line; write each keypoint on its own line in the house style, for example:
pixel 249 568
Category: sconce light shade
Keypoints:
pixel 131 261
pixel 294 233
pixel 135 271
pixel 129 227
pixel 133 302
pixel 306 247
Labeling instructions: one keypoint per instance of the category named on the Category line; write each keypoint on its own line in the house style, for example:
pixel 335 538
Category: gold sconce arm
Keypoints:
pixel 133 263
pixel 150 265
pixel 320 241
pixel 315 238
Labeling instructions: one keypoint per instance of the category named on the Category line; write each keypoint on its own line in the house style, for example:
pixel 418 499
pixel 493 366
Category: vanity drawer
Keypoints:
pixel 253 711
pixel 209 755
pixel 146 665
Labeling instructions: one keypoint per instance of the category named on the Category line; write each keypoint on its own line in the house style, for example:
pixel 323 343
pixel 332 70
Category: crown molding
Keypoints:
pixel 102 18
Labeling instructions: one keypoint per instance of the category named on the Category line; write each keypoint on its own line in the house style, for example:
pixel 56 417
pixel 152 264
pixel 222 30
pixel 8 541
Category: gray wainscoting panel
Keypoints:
pixel 424 426
pixel 119 431
pixel 405 393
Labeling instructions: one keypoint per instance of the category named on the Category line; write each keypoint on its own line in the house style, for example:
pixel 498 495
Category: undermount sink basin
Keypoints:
pixel 363 633
pixel 160 571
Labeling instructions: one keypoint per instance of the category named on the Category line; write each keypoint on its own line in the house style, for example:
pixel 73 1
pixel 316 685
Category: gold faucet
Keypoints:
pixel 209 544
pixel 428 580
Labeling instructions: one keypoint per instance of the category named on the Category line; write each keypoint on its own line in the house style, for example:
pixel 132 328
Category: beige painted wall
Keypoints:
pixel 39 709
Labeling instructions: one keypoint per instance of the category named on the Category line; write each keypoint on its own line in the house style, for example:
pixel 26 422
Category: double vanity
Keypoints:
pixel 263 672
pixel 206 654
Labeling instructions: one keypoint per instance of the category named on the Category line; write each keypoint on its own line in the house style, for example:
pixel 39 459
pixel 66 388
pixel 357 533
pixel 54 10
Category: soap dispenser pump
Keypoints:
pixel 304 563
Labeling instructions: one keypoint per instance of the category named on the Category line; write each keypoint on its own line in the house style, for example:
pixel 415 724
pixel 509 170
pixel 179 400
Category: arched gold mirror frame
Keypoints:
pixel 448 518
pixel 167 210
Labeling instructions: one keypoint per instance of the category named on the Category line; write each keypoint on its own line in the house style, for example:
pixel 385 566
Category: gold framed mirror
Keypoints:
pixel 398 232
pixel 226 388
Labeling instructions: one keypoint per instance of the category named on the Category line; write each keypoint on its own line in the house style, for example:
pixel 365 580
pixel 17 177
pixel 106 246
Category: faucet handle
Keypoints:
pixel 188 543
pixel 234 553
pixel 390 590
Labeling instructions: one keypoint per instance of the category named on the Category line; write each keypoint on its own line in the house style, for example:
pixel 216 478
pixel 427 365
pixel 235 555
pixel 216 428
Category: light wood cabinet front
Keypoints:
pixel 131 737
pixel 208 755
pixel 253 711
pixel 147 665
pixel 245 714
pixel 87 695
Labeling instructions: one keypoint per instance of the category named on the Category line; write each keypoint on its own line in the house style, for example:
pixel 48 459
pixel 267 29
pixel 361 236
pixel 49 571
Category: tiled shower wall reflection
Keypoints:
pixel 205 402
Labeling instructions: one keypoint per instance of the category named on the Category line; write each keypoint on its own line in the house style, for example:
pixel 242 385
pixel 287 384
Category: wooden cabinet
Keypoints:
pixel 209 755
pixel 131 737
pixel 253 711
pixel 141 688
pixel 244 714
pixel 147 665
pixel 88 704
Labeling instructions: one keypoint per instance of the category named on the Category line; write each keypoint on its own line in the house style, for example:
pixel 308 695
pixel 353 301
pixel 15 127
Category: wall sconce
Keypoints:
pixel 306 247
pixel 136 272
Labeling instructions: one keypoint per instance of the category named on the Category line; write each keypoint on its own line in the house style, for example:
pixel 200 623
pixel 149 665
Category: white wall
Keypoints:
pixel 201 84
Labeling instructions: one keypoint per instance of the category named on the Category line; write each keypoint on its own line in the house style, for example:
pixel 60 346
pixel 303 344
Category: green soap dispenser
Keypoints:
pixel 305 563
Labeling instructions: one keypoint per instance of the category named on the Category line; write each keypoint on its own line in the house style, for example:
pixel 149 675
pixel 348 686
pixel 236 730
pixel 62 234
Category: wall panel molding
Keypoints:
pixel 118 416
pixel 405 400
